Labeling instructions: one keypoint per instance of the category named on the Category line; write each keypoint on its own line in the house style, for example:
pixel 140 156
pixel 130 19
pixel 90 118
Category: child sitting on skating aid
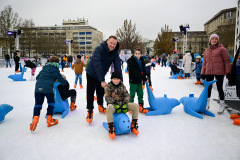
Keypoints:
pixel 65 93
pixel 44 88
pixel 117 98
pixel 176 70
pixel 31 65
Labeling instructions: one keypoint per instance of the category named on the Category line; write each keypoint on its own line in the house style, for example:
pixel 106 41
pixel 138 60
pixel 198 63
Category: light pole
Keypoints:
pixel 184 29
pixel 16 33
pixel 69 41
pixel 175 40
pixel 237 29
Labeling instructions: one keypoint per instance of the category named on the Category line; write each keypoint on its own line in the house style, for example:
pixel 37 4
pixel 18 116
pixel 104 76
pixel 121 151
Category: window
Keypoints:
pixel 88 32
pixel 82 33
pixel 88 42
pixel 82 43
pixel 89 38
pixel 75 33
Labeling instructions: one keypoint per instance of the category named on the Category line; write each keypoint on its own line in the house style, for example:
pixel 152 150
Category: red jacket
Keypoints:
pixel 216 61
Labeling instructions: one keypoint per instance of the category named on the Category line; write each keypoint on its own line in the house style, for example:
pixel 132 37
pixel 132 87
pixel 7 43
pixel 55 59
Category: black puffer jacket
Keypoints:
pixel 30 64
pixel 135 74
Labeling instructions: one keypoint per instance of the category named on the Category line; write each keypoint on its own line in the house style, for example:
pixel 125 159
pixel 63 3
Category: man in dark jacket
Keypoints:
pixel 16 60
pixel 7 59
pixel 103 56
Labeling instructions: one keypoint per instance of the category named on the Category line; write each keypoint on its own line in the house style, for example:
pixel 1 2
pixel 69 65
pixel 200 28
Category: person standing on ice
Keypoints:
pixel 31 65
pixel 44 88
pixel 103 56
pixel 137 74
pixel 187 63
pixel 216 63
pixel 16 60
pixel 117 98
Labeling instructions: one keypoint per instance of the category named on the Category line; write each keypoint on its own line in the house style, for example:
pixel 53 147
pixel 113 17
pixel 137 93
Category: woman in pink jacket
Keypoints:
pixel 216 63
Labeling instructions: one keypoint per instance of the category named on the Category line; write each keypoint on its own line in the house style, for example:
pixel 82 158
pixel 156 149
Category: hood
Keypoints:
pixel 78 61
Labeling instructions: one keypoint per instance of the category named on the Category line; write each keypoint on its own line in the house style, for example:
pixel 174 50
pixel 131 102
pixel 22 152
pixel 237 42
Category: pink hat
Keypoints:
pixel 175 51
pixel 25 59
pixel 213 35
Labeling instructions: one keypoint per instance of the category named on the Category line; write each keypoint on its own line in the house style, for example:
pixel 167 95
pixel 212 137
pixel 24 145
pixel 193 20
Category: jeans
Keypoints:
pixel 80 78
pixel 8 62
pixel 39 99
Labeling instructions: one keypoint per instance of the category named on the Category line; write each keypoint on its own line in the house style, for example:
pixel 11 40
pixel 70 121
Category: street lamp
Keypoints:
pixel 184 29
pixel 69 41
pixel 16 33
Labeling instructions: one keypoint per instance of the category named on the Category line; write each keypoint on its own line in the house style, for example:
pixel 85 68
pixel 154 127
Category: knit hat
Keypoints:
pixel 198 57
pixel 116 74
pixel 213 35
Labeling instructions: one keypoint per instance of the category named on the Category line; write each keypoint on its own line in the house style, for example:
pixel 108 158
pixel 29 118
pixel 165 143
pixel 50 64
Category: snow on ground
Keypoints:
pixel 167 137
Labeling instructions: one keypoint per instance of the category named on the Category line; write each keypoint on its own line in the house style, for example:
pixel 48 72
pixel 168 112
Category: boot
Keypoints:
pixel 62 70
pixel 134 127
pixel 101 109
pixel 32 78
pixel 81 86
pixel 51 121
pixel 198 82
pixel 208 104
pixel 75 85
pixel 151 88
pixel 90 116
pixel 142 109
pixel 34 123
pixel 111 130
pixel 17 71
pixel 72 106
pixel 236 121
pixel 221 108
pixel 143 87
pixel 95 98
pixel 235 116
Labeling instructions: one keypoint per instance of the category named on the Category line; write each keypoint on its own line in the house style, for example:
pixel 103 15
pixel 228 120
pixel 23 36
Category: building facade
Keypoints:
pixel 84 38
pixel 197 41
pixel 224 17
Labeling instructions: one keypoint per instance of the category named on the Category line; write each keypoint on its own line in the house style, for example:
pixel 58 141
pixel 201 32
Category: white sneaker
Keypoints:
pixel 221 108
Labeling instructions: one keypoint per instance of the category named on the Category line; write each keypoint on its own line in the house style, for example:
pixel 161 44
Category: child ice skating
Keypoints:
pixel 137 74
pixel 31 65
pixel 44 88
pixel 198 69
pixel 176 70
pixel 78 68
pixel 117 98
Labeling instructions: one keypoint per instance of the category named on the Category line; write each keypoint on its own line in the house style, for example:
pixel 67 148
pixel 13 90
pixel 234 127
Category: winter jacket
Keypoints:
pixel 63 90
pixel 233 75
pixel 16 58
pixel 174 57
pixel 101 61
pixel 216 61
pixel 30 64
pixel 78 66
pixel 164 57
pixel 187 61
pixel 7 57
pixel 135 74
pixel 198 67
pixel 69 59
pixel 46 78
pixel 174 68
pixel 116 94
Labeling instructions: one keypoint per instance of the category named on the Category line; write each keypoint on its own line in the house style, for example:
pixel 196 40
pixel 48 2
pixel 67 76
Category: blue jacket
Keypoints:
pixel 198 67
pixel 101 61
pixel 46 78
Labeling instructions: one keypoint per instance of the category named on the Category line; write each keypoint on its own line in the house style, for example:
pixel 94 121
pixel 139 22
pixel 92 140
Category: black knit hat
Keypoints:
pixel 116 74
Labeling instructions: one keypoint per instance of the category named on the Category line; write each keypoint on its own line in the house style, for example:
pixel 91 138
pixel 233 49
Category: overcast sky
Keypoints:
pixel 108 15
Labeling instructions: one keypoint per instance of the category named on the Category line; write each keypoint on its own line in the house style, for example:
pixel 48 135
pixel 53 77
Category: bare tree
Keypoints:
pixel 128 36
pixel 227 34
pixel 8 19
pixel 27 39
pixel 163 43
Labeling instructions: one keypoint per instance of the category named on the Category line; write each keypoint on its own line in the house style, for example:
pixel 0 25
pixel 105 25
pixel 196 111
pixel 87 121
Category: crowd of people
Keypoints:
pixel 215 65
